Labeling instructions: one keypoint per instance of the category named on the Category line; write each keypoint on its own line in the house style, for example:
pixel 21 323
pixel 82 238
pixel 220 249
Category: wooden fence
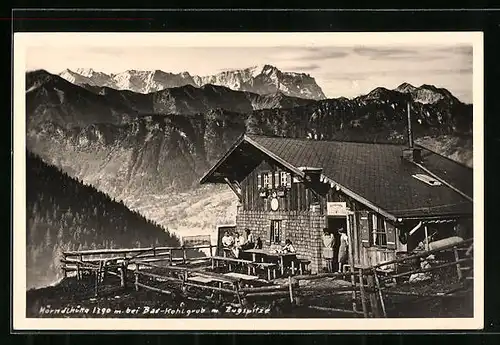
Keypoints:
pixel 184 278
pixel 102 262
pixel 369 285
pixel 372 283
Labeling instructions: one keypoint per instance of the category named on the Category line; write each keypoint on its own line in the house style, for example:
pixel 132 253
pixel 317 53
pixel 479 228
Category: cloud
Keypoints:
pixel 294 68
pixel 325 53
pixel 363 75
pixel 384 53
pixel 456 50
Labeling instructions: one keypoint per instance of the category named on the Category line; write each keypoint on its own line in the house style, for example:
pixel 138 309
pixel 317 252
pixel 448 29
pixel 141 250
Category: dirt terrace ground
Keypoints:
pixel 72 298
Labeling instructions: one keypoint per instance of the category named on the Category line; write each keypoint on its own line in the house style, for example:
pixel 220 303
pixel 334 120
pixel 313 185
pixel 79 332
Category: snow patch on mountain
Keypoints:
pixel 260 79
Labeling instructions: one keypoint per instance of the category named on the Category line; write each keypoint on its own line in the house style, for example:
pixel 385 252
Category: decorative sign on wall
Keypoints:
pixel 274 204
pixel 336 209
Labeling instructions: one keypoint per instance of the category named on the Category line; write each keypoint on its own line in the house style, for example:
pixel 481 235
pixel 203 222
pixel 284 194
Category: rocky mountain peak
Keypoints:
pixel 405 88
pixel 260 79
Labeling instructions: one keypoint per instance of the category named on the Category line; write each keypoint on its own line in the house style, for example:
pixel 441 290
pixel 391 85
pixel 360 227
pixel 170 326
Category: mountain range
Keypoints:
pixel 265 79
pixel 148 150
pixel 109 137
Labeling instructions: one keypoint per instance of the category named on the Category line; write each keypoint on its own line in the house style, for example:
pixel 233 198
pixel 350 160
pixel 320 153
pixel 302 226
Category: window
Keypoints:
pixel 276 231
pixel 284 178
pixel 265 183
pixel 379 231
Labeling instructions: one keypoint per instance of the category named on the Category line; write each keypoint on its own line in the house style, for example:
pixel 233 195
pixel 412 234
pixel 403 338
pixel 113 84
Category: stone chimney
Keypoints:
pixel 312 175
pixel 412 153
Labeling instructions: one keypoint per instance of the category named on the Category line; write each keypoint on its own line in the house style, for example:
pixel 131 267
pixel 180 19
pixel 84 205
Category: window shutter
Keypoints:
pixel 391 235
pixel 268 237
pixel 364 228
pixel 269 180
pixel 289 180
pixel 259 183
pixel 276 179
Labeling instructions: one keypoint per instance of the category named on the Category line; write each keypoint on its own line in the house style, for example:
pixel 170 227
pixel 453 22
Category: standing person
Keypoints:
pixel 238 242
pixel 228 242
pixel 328 243
pixel 343 248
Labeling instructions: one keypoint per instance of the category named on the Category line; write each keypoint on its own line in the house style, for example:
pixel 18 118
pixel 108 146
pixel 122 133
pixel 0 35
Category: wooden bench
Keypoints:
pixel 268 266
pixel 215 260
pixel 303 264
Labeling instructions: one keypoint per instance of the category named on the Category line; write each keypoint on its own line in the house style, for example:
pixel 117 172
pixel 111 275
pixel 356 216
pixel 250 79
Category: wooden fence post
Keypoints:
pixel 362 292
pixel 63 265
pixel 459 270
pixel 372 296
pixel 170 256
pixel 237 292
pixel 136 277
pixel 104 270
pixel 290 288
pixel 184 256
pixel 381 296
pixel 97 278
pixel 123 272
pixel 350 257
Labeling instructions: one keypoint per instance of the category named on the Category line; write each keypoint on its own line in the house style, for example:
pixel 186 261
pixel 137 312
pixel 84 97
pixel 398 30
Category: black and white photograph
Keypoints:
pixel 199 180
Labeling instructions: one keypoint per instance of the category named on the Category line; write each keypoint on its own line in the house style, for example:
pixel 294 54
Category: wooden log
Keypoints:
pixel 154 289
pixel 159 276
pixel 362 293
pixel 419 295
pixel 270 288
pixel 421 255
pixel 128 250
pixel 268 294
pixel 324 275
pixel 208 287
pixel 424 270
pixel 335 310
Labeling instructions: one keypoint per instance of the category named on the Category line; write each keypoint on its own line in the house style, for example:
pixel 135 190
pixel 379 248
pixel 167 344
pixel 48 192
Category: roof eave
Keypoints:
pixel 205 177
pixel 361 200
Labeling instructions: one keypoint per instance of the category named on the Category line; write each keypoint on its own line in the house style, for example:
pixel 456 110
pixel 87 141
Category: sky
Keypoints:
pixel 346 70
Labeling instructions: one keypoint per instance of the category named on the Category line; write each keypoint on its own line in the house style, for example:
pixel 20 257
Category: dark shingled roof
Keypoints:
pixel 377 173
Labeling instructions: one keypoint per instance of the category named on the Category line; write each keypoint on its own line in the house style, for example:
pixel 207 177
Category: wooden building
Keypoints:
pixel 389 197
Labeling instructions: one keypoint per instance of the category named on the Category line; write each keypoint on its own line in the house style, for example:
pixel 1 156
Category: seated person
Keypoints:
pixel 288 248
pixel 258 244
pixel 249 242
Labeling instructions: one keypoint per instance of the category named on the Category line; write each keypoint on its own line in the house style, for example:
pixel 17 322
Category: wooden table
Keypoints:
pixel 281 256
